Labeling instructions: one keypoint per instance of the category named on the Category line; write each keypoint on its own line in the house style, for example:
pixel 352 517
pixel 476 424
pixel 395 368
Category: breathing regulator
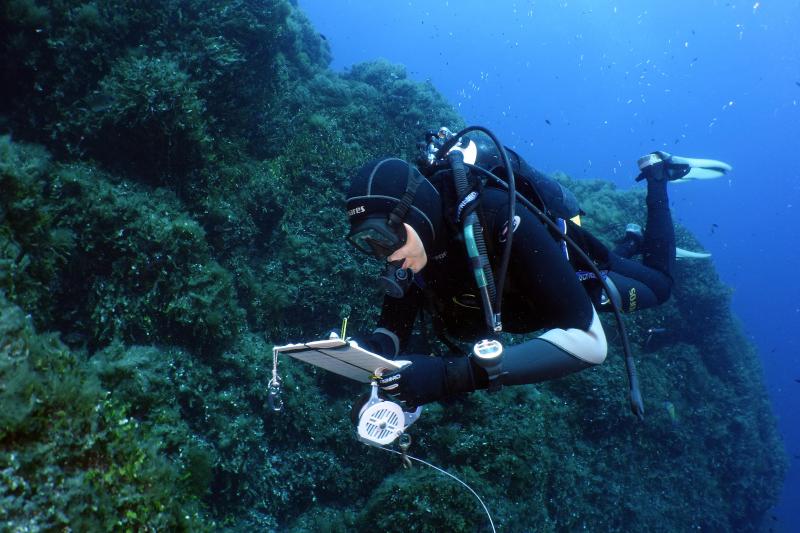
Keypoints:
pixel 456 154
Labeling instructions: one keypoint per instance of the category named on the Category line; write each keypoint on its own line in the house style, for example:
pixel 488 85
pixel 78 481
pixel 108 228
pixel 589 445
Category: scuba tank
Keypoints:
pixel 537 187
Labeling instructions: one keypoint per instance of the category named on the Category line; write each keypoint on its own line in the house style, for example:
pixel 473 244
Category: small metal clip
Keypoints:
pixel 405 444
pixel 274 398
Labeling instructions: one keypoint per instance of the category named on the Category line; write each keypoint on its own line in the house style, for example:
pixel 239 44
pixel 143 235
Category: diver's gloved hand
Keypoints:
pixel 381 341
pixel 663 166
pixel 428 379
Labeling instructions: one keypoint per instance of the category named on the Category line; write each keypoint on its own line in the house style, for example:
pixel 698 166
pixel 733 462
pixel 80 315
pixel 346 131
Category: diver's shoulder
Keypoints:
pixel 494 197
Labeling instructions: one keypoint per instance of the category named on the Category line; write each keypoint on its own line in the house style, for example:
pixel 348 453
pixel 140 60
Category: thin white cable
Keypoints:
pixel 486 510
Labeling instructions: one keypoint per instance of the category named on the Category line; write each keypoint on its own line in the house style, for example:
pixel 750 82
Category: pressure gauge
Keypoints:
pixel 487 350
pixel 488 354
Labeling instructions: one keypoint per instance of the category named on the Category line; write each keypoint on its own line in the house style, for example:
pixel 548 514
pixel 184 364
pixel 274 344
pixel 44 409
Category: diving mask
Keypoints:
pixel 376 237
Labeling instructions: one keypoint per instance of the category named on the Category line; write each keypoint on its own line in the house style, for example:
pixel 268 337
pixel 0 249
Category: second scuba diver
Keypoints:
pixel 409 220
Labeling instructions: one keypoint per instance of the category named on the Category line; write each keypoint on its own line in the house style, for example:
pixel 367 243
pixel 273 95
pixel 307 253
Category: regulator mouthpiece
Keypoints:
pixel 395 279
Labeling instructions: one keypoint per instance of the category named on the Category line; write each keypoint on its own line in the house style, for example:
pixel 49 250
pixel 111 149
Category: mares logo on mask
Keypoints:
pixel 356 210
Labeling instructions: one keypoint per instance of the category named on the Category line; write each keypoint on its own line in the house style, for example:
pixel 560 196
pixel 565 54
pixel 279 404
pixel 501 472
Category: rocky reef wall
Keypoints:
pixel 171 177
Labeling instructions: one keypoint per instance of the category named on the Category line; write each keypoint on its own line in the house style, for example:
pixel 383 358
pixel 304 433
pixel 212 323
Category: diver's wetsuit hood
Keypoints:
pixel 377 188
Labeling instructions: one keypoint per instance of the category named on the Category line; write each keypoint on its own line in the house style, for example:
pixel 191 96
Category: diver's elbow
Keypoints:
pixel 589 345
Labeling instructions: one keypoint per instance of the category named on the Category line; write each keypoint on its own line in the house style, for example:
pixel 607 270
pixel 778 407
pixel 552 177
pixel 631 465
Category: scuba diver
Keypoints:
pixel 412 220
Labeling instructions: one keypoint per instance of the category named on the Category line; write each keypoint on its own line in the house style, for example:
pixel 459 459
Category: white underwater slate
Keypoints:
pixel 340 357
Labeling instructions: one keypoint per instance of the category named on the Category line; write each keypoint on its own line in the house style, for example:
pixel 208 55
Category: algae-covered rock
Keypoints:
pixel 171 209
pixel 71 454
pixel 135 267
pixel 32 249
pixel 149 120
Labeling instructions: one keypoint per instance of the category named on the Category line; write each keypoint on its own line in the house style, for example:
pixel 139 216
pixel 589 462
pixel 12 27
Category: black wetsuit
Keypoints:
pixel 636 285
pixel 543 290
pixel 648 283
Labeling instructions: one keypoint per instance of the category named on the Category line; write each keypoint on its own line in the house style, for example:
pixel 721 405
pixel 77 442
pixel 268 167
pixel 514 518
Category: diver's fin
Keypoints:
pixel 701 169
pixel 682 169
pixel 680 253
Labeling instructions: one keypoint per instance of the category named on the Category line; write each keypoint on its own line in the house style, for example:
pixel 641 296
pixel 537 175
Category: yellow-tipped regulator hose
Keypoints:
pixel 637 405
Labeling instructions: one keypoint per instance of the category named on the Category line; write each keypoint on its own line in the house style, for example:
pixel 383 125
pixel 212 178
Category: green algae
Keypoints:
pixel 171 207
pixel 71 454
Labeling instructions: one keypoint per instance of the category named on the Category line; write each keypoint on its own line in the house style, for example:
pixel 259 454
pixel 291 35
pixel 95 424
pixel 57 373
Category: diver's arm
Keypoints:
pixel 556 353
pixel 395 324
pixel 574 341
pixel 550 356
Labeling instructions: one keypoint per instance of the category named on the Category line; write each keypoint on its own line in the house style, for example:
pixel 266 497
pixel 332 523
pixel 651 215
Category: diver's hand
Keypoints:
pixel 428 379
pixel 421 382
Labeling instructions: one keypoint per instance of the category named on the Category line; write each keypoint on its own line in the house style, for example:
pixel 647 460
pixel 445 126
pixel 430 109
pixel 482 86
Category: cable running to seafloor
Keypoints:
pixel 486 510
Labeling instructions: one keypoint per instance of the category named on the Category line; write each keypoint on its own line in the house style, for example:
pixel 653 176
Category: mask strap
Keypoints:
pixel 398 214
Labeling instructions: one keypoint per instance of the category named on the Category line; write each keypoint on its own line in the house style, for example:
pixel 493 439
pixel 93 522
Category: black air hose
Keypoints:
pixel 506 257
pixel 635 395
pixel 473 231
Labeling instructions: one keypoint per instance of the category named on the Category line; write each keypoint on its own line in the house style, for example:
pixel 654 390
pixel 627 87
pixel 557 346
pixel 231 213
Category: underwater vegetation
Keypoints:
pixel 171 181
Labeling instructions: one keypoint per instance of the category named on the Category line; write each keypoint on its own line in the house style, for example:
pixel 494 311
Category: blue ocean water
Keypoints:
pixel 588 86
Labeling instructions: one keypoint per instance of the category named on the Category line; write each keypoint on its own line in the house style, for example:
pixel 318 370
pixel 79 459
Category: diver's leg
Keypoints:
pixel 635 286
pixel 659 234
pixel 631 243
pixel 638 285
pixel 647 284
